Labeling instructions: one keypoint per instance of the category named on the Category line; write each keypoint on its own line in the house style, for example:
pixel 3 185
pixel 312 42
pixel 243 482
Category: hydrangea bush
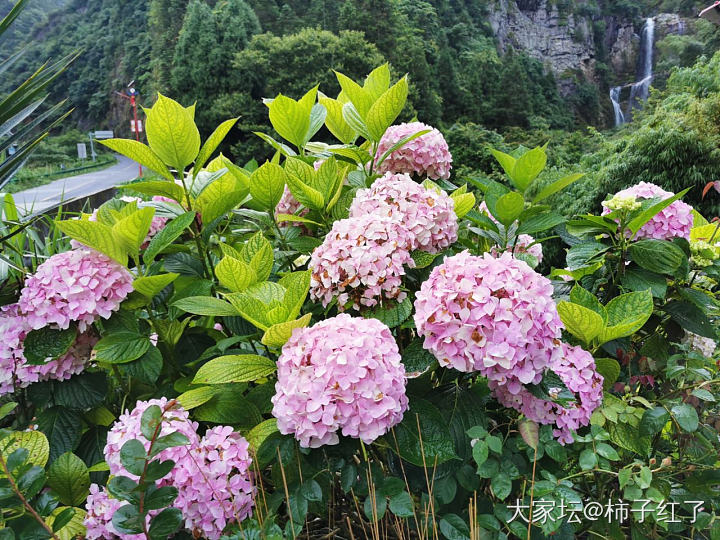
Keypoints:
pixel 349 341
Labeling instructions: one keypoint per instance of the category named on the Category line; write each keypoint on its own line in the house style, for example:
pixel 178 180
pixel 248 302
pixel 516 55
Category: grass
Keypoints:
pixel 28 178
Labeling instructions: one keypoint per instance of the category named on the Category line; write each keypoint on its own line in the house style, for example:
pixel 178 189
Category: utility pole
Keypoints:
pixel 131 95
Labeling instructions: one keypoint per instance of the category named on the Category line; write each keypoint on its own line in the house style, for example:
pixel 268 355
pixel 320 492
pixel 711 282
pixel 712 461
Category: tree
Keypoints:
pixel 165 18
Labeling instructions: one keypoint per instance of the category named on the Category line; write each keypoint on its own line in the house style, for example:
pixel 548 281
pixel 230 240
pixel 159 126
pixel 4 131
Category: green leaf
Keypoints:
pixel 147 368
pixel 527 167
pixel 556 186
pixel 68 476
pixel 588 459
pixel 509 207
pixel 258 254
pixel 686 416
pixel 691 318
pixel 580 321
pixel 161 497
pixel 220 196
pixel 172 230
pixel 158 187
pixel 585 254
pixel 378 81
pixel 212 143
pixel 164 524
pixel 463 203
pixel 540 223
pixel 627 313
pixel 480 452
pixel 506 161
pixel 585 298
pixel 641 219
pixel 234 368
pixel 297 285
pixel 267 183
pixel 355 120
pixel 529 431
pixel 95 235
pixel 35 442
pixel 393 316
pixel 402 505
pixel 141 153
pixel 703 394
pixel 436 441
pixel 636 279
pixel 63 429
pixel 501 485
pixel 171 133
pixel 607 451
pixel 229 406
pixel 7 408
pixel 133 456
pixel 262 431
pixel 305 195
pixel 41 346
pixel 150 286
pixel 132 230
pixel 80 392
pixel 234 274
pixel 72 529
pixel 653 421
pixel 206 305
pixel 453 527
pixel 416 359
pixel 290 119
pixel 278 334
pixel 170 440
pixel 386 109
pixel 659 256
pixel 121 347
pixel 150 421
pixel 334 120
pixel 360 98
pixel 196 397
pixel 609 368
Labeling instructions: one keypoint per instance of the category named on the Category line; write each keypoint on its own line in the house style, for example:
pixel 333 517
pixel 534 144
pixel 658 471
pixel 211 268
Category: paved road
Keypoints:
pixel 39 198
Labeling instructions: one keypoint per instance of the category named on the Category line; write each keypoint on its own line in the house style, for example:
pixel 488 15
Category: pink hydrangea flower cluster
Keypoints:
pixel 700 344
pixel 427 214
pixel 489 314
pixel 288 204
pixel 360 262
pixel 427 155
pixel 127 427
pixel 15 372
pixel 212 473
pixel 342 375
pixel 673 221
pixel 78 285
pixel 576 369
pixel 98 519
pixel 213 481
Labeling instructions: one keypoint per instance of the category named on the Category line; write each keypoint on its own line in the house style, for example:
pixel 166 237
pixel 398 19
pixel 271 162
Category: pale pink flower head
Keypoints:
pixel 15 372
pixel 426 156
pixel 673 221
pixel 214 483
pixel 80 285
pixel 489 314
pixel 342 375
pixel 361 262
pixel 428 215
pixel 288 204
pixel 127 427
pixel 701 345
pixel 98 520
pixel 576 369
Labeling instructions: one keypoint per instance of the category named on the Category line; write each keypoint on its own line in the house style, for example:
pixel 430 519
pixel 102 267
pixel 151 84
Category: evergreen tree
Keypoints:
pixel 165 18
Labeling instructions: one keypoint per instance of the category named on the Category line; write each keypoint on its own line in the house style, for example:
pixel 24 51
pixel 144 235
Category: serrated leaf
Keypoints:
pixel 234 274
pixel 45 344
pixel 267 183
pixel 206 305
pixel 171 133
pixel 527 167
pixel 121 347
pixel 139 152
pixel 35 442
pixel 392 316
pixel 212 143
pixel 659 256
pixel 509 207
pixel 150 286
pixel 234 368
pixel 132 230
pixel 627 313
pixel 463 203
pixel 95 235
pixel 160 188
pixel 262 431
pixel 556 186
pixel 580 321
pixel 220 196
pixel 68 476
pixel 169 233
pixel 278 334
pixel 386 108
pixel 609 368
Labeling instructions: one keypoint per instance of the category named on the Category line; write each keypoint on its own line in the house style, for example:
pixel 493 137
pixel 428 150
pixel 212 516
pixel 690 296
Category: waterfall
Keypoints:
pixel 640 90
pixel 615 98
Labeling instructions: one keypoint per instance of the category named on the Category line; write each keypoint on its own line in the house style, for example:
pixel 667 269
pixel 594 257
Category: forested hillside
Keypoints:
pixel 468 60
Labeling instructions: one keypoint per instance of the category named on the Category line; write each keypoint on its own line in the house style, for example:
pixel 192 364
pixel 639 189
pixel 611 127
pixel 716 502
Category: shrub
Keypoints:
pixel 462 393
